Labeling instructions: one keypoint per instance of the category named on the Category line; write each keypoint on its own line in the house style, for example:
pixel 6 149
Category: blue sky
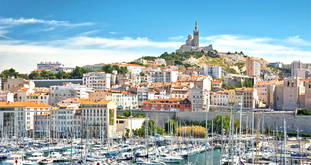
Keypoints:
pixel 79 32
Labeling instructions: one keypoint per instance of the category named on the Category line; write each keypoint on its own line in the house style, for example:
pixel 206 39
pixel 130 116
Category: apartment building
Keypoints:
pixel 172 104
pixel 97 80
pixel 59 93
pixel 17 118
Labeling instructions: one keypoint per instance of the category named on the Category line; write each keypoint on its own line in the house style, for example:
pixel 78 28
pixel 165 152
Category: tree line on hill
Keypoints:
pixel 77 73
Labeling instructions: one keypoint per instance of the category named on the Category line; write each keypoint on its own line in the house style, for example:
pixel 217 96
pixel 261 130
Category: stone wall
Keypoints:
pixel 265 120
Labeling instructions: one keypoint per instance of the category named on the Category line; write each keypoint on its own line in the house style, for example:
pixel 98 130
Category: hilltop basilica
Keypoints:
pixel 192 43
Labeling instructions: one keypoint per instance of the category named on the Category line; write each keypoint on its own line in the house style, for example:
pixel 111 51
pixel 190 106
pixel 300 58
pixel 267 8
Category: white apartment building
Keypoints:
pixel 6 96
pixel 213 71
pixel 164 76
pixel 97 80
pixel 17 118
pixel 123 100
pixel 134 68
pixel 66 121
pixel 84 118
pixel 98 118
pixel 253 67
pixel 200 99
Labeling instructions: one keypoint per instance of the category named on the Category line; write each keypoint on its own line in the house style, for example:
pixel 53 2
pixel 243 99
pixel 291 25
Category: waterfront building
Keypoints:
pixel 66 121
pixel 17 118
pixel 77 118
pixel 98 118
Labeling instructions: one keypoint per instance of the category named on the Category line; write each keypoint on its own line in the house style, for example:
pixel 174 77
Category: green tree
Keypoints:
pixel 151 127
pixel 47 75
pixel 9 73
pixel 35 75
pixel 149 58
pixel 62 75
pixel 135 62
pixel 78 72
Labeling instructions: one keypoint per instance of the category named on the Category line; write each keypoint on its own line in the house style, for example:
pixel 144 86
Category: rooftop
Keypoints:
pixel 23 104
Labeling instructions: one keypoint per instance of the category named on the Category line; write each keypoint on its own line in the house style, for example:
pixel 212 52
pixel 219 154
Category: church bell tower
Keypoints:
pixel 195 41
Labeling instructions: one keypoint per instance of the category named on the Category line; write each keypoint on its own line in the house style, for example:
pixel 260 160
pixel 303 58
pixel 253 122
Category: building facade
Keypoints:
pixel 97 80
pixel 253 67
pixel 60 93
pixel 17 118
pixel 173 104
pixel 213 71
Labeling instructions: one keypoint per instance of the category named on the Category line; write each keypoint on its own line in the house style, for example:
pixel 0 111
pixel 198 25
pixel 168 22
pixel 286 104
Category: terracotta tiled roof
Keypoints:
pixel 23 104
pixel 23 90
pixel 93 101
pixel 216 81
pixel 164 101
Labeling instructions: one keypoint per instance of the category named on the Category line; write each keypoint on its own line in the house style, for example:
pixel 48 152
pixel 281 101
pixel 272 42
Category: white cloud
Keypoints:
pixel 3 32
pixel 297 40
pixel 25 57
pixel 82 50
pixel 267 48
pixel 113 43
pixel 22 21
pixel 78 51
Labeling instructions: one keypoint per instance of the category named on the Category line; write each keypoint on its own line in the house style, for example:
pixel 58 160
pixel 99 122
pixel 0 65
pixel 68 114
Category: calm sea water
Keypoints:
pixel 211 157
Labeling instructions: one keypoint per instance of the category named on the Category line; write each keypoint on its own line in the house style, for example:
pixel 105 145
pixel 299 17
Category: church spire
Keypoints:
pixel 195 41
